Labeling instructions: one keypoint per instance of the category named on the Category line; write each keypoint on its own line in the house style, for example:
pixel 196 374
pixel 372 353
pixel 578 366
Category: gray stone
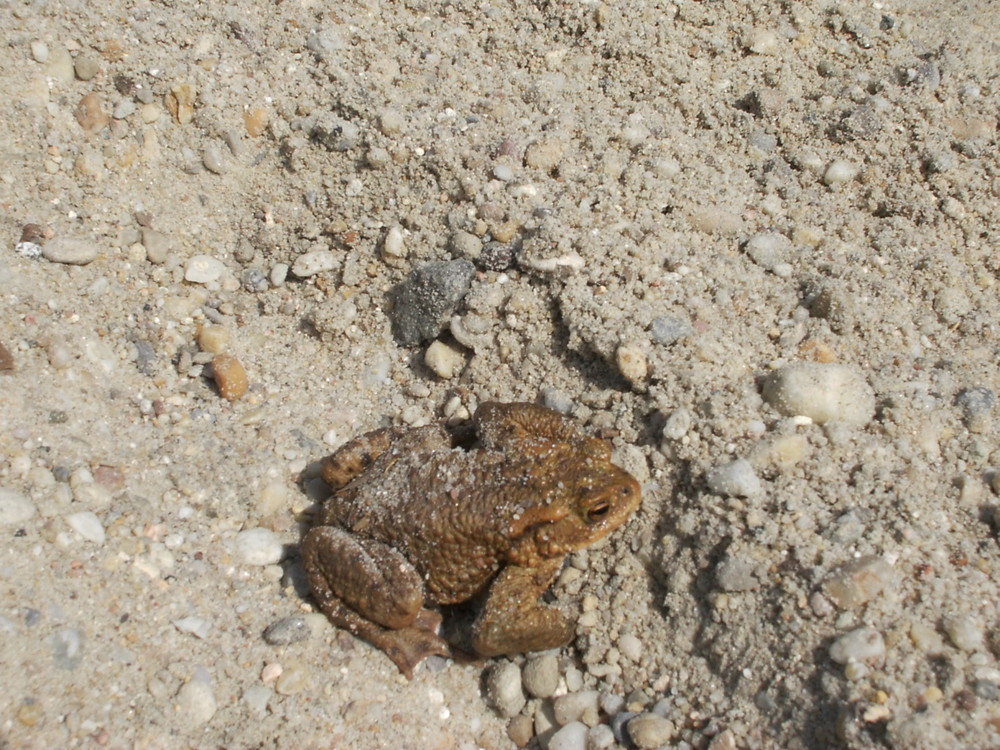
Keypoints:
pixel 424 302
pixel 287 630
pixel 668 329
pixel 71 251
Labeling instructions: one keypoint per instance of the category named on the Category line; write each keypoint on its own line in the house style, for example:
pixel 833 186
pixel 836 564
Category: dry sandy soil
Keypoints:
pixel 667 205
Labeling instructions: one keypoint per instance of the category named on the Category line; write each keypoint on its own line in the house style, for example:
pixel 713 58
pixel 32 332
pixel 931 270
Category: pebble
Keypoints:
pixel 503 689
pixel 213 159
pixel 287 630
pixel 90 114
pixel 425 300
pixel 768 249
pixel 976 404
pixel 91 494
pixel 541 675
pixel 650 731
pixel 74 252
pixel 632 363
pixel 213 339
pixel 557 400
pixel 581 706
pixel 823 392
pixel 669 329
pixel 735 573
pixel 858 581
pixel 965 633
pixel 203 269
pixel 67 647
pixel 258 546
pixel 465 245
pixel 6 360
pixel 195 703
pixel 230 377
pixel 394 246
pixel 179 102
pixel 734 479
pixel 86 67
pixel 314 262
pixel 294 678
pixel 39 51
pixel 199 627
pixel 600 737
pixel 861 645
pixel 88 525
pixel 520 730
pixel 572 736
pixel 839 171
pixel 158 245
pixel 124 109
pixel 257 697
pixel 15 508
pixel 544 154
pixel 279 272
pixel 446 361
pixel 60 64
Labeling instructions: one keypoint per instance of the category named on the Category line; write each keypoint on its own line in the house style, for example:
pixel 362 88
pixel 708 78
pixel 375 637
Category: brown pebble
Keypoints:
pixel 34 233
pixel 255 121
pixel 520 730
pixel 109 477
pixel 6 360
pixel 90 114
pixel 230 377
pixel 180 102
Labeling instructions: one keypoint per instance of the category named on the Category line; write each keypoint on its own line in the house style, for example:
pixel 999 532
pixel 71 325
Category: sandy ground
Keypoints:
pixel 666 203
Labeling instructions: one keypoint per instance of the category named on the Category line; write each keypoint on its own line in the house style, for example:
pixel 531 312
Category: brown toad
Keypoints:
pixel 416 520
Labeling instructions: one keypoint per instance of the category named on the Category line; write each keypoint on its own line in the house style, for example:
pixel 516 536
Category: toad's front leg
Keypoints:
pixel 371 590
pixel 512 620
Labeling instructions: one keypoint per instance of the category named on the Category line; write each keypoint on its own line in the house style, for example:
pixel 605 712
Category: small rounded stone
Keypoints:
pixel 839 172
pixel 572 736
pixel 88 525
pixel 213 339
pixel 203 269
pixel 444 360
pixel 650 731
pixel 287 630
pixel 734 479
pixel 858 581
pixel 863 644
pixel 258 547
pixel 503 689
pixel 824 392
pixel 74 252
pixel 541 675
pixel 195 703
pixel 15 508
pixel 580 706
pixel 230 377
pixel 965 633
pixel 314 262
pixel 632 363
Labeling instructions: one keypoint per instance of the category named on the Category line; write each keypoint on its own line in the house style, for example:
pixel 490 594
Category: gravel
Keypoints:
pixel 704 231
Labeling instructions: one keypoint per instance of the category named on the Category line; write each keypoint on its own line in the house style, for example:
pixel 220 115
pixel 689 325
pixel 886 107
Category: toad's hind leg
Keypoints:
pixel 371 590
pixel 356 455
pixel 512 621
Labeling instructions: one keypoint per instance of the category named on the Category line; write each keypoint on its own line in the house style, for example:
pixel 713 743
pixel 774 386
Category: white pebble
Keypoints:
pixel 678 424
pixel 572 736
pixel 650 731
pixel 631 361
pixel 581 706
pixel 734 479
pixel 394 245
pixel 195 703
pixel 768 249
pixel 39 51
pixel 196 626
pixel 258 547
pixel 257 697
pixel 964 632
pixel 71 251
pixel 279 272
pixel 15 508
pixel 444 360
pixel 631 647
pixel 863 644
pixel 839 171
pixel 503 689
pixel 212 158
pixel 541 675
pixel 203 269
pixel 822 392
pixel 314 262
pixel 88 525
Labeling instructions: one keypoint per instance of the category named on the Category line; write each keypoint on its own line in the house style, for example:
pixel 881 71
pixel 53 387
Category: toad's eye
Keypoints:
pixel 598 511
